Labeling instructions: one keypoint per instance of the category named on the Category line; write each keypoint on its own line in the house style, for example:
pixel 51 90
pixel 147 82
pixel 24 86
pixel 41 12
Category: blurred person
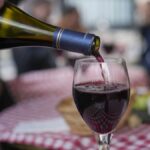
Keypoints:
pixel 35 58
pixel 139 74
pixel 143 9
pixel 71 19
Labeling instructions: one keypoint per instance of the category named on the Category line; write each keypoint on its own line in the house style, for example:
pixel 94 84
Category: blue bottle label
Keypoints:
pixel 73 41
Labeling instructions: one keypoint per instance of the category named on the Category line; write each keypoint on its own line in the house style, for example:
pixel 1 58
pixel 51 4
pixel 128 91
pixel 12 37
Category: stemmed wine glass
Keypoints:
pixel 101 93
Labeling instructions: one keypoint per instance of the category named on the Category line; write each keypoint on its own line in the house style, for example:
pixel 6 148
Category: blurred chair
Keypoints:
pixel 6 99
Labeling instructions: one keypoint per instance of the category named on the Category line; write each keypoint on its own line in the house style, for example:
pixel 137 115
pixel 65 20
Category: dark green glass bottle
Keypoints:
pixel 20 29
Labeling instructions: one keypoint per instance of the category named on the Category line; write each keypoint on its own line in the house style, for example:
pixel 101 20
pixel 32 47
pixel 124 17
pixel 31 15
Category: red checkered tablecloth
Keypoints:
pixel 38 94
pixel 129 140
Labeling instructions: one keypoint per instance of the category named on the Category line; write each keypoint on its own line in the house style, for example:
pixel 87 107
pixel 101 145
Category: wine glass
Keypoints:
pixel 101 93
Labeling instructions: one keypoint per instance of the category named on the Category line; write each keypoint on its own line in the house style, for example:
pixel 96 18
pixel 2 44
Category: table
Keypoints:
pixel 38 94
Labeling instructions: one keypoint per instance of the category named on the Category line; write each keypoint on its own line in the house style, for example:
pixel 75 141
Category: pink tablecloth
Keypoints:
pixel 38 94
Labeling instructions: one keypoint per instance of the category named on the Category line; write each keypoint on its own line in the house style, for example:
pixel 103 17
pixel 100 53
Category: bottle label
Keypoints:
pixel 73 41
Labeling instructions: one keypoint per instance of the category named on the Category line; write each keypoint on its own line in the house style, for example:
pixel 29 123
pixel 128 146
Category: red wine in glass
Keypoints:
pixel 101 105
pixel 101 101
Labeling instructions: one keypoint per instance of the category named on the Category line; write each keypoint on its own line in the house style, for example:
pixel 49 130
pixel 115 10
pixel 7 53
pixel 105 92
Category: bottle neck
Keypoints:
pixel 95 46
pixel 84 43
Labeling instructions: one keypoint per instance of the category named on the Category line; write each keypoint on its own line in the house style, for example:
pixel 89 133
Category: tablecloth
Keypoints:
pixel 38 94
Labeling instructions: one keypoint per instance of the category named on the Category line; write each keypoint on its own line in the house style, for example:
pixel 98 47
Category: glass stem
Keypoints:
pixel 104 141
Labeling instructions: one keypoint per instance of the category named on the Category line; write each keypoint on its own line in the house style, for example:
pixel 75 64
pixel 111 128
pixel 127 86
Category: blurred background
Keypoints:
pixel 123 26
pixel 124 29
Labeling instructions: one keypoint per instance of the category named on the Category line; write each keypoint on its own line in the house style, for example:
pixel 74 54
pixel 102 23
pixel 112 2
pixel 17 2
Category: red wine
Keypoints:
pixel 101 105
pixel 103 67
pixel 99 58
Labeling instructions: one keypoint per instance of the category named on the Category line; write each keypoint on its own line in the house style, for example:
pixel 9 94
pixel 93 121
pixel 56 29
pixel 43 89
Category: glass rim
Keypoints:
pixel 92 59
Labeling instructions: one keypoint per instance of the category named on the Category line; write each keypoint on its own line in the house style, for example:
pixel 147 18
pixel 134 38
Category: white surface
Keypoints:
pixel 52 125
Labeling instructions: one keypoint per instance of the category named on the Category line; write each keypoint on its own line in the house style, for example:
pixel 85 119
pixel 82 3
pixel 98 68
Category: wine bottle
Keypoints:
pixel 20 29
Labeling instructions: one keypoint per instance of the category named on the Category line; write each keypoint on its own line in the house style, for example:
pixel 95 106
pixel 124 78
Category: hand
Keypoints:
pixel 1 3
